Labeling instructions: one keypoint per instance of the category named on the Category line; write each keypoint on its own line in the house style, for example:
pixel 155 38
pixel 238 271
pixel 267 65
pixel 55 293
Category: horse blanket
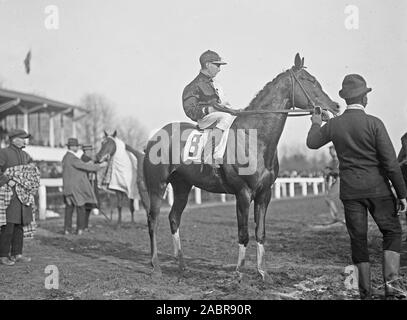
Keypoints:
pixel 121 172
pixel 27 178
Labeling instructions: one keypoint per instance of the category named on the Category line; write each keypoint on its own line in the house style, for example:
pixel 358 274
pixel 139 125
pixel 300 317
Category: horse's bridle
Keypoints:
pixel 294 77
pixel 291 112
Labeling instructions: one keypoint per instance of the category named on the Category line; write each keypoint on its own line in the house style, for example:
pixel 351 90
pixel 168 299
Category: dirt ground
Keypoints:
pixel 304 261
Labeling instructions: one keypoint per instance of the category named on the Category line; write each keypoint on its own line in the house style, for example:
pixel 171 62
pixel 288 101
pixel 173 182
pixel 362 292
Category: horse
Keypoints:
pixel 266 115
pixel 107 151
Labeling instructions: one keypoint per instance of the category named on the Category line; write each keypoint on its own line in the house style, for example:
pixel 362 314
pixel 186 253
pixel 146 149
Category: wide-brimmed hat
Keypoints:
pixel 20 133
pixel 73 142
pixel 87 147
pixel 210 56
pixel 353 85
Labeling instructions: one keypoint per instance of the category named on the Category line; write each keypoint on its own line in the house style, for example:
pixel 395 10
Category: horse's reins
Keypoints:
pixel 290 112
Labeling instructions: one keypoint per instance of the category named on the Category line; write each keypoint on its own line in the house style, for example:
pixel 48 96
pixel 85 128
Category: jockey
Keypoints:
pixel 201 99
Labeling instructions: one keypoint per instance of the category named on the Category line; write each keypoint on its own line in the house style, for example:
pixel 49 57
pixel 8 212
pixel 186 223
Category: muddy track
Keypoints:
pixel 110 263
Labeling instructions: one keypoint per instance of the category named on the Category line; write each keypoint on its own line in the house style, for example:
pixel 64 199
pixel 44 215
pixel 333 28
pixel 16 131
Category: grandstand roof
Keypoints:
pixel 13 102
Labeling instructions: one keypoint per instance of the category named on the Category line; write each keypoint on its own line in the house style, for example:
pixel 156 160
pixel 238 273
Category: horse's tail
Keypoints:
pixel 141 182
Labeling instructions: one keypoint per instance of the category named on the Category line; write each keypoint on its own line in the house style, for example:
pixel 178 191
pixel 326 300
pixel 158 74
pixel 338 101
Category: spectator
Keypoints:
pixel 77 190
pixel 87 156
pixel 332 182
pixel 19 210
pixel 367 163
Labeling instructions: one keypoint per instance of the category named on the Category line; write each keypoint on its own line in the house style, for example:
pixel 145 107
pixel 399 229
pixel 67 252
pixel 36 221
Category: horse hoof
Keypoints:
pixel 239 275
pixel 157 273
pixel 181 267
pixel 266 278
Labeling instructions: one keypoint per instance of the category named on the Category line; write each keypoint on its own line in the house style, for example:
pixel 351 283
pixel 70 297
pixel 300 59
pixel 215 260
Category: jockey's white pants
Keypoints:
pixel 223 121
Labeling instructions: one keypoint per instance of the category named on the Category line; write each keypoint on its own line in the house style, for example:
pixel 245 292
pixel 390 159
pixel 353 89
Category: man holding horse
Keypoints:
pixel 367 161
pixel 77 189
pixel 202 103
pixel 87 156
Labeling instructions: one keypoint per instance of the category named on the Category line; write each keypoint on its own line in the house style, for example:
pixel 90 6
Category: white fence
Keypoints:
pixel 283 187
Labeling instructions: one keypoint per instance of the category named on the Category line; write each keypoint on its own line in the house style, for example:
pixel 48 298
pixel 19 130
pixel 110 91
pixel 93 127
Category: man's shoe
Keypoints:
pixel 67 233
pixel 80 232
pixel 6 261
pixel 20 258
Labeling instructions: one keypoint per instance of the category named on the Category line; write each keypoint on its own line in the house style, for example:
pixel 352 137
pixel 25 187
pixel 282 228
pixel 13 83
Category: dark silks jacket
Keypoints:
pixel 16 212
pixel 367 160
pixel 198 95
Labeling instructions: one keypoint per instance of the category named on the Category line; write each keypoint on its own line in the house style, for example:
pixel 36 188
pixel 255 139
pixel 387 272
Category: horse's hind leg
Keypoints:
pixel 242 211
pixel 181 191
pixel 152 219
pixel 260 208
pixel 131 206
pixel 119 196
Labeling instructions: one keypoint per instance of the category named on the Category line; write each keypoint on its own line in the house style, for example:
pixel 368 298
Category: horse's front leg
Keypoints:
pixel 260 208
pixel 242 211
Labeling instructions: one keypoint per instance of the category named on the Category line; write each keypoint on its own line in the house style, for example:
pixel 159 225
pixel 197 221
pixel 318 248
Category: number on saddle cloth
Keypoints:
pixel 194 146
pixel 199 147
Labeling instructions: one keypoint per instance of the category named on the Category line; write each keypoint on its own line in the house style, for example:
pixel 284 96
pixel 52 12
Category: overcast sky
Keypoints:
pixel 141 54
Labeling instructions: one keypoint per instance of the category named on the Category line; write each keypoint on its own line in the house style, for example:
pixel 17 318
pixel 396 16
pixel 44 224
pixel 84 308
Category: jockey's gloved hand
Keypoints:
pixel 211 109
pixel 236 112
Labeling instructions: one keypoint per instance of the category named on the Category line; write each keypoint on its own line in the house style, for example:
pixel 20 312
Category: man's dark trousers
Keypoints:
pixel 11 236
pixel 80 220
pixel 383 211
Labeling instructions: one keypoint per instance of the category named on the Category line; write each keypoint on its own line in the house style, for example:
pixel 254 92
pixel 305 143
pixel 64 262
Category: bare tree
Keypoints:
pixel 132 132
pixel 100 117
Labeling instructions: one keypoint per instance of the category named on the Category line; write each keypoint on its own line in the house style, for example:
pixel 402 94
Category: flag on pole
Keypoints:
pixel 27 61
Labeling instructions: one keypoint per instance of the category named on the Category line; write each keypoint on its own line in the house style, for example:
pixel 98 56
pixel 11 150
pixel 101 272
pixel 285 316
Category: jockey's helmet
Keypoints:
pixel 210 56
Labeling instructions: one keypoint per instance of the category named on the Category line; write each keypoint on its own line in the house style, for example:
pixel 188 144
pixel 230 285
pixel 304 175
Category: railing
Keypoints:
pixel 282 188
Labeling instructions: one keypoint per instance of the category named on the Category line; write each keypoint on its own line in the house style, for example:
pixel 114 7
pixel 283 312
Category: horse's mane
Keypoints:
pixel 138 154
pixel 264 92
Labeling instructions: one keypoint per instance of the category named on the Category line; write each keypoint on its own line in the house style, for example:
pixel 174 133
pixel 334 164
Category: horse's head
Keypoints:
pixel 107 149
pixel 306 90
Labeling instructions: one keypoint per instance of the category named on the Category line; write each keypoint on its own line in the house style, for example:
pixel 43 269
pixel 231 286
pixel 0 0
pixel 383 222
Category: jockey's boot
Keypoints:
pixel 365 287
pixel 6 261
pixel 392 281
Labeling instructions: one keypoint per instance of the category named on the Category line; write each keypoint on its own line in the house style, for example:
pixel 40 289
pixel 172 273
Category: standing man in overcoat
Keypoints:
pixel 77 189
pixel 17 214
pixel 367 161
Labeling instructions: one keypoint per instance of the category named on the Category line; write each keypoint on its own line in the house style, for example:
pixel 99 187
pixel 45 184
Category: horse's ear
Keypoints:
pixel 114 134
pixel 104 131
pixel 302 62
pixel 297 61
